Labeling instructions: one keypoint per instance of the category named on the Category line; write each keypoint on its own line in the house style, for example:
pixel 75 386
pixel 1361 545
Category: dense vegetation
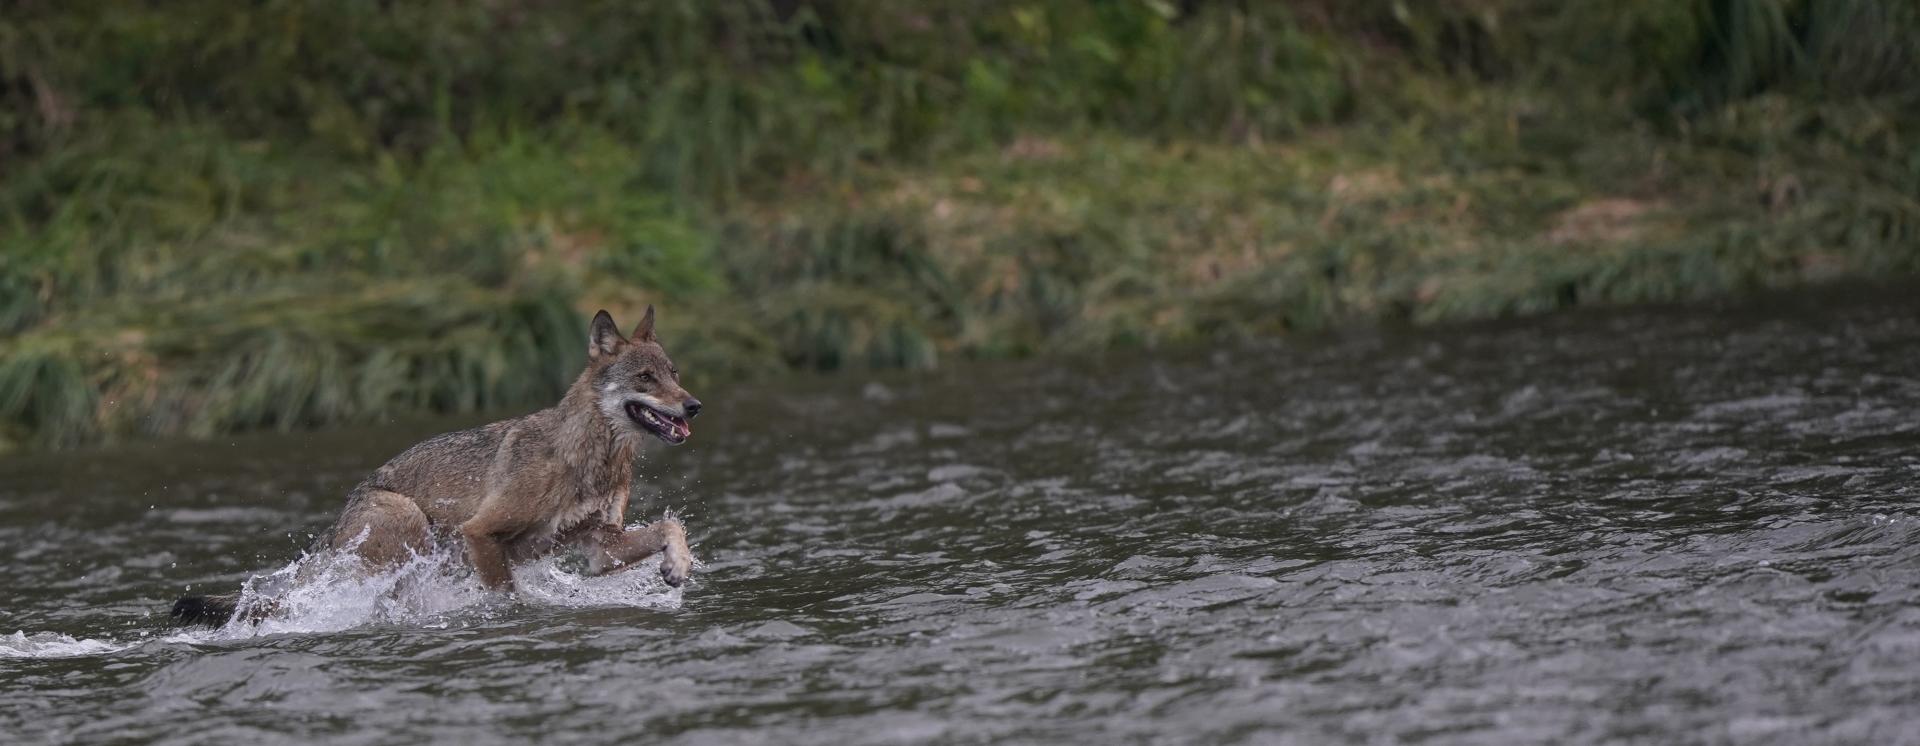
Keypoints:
pixel 286 213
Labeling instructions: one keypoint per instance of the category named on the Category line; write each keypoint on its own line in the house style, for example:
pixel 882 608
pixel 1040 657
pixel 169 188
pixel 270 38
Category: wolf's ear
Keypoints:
pixel 644 332
pixel 603 338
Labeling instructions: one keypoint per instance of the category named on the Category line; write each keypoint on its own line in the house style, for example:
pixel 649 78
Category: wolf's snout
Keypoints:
pixel 692 406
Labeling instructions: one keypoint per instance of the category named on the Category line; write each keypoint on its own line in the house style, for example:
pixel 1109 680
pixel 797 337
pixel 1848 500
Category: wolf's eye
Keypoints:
pixel 646 377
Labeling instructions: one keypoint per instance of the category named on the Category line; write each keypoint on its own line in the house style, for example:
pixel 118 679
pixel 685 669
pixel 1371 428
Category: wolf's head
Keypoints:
pixel 634 383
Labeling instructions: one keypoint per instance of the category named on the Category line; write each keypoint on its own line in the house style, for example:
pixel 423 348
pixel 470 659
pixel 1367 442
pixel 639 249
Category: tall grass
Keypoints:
pixel 294 213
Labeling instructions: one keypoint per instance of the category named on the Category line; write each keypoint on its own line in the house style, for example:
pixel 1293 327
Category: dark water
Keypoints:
pixel 1666 526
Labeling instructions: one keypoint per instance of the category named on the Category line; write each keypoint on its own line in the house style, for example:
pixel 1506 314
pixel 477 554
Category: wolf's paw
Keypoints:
pixel 676 560
pixel 675 564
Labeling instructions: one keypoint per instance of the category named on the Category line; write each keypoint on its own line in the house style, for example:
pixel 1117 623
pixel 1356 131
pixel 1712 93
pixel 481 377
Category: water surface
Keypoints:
pixel 1660 525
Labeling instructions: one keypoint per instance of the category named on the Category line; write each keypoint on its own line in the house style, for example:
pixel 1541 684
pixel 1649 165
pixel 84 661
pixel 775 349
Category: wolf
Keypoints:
pixel 524 488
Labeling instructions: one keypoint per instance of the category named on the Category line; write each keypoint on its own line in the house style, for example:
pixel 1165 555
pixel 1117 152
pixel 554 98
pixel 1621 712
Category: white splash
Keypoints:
pixel 334 591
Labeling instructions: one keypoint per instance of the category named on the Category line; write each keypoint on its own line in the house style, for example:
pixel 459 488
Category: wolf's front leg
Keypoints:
pixel 613 548
pixel 488 555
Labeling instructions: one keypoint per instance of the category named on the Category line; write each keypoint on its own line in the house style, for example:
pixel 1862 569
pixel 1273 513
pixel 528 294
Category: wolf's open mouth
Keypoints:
pixel 668 427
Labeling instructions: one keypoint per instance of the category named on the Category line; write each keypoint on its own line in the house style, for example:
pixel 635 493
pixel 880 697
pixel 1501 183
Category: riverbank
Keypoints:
pixel 362 214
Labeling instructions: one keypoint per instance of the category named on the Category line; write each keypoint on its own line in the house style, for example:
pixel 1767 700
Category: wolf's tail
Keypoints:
pixel 212 611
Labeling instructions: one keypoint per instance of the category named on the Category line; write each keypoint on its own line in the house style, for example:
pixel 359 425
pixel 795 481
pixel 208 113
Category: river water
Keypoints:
pixel 1669 525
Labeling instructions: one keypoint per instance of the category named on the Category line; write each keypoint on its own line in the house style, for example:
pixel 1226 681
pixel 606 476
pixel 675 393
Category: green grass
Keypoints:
pixel 301 214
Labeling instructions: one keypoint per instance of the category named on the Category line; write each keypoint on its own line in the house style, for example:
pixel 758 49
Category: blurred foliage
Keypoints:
pixel 289 213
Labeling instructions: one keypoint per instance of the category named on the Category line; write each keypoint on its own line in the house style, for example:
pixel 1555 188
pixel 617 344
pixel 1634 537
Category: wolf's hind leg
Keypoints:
pixel 613 548
pixel 211 611
pixel 394 528
pixel 390 529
